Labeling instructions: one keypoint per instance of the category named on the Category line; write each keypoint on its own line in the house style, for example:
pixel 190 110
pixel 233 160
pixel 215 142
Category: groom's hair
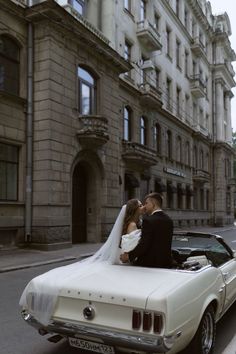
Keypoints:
pixel 156 196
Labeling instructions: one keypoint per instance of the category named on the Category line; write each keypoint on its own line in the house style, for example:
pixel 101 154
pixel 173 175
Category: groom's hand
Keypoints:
pixel 124 257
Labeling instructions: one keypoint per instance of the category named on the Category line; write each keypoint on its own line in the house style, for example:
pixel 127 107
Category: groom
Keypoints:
pixel 154 247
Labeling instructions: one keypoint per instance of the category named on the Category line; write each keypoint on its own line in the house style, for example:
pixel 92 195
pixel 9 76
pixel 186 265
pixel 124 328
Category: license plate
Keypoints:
pixel 92 346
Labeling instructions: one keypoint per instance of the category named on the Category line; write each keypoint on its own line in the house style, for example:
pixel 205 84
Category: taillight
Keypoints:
pixel 157 326
pixel 136 319
pixel 147 321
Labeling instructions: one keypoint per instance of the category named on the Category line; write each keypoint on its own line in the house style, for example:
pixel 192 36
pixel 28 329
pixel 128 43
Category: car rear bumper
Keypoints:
pixel 142 342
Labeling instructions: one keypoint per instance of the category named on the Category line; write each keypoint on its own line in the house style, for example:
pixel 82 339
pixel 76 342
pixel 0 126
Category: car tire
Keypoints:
pixel 204 340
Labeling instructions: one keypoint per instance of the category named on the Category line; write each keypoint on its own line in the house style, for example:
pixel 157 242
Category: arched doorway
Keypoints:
pixel 87 196
pixel 79 204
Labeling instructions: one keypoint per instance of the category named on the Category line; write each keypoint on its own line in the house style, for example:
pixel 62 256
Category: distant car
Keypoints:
pixel 149 310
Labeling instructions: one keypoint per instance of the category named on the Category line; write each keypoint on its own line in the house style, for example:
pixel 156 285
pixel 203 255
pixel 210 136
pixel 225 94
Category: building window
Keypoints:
pixel 187 108
pixel 169 144
pixel 168 93
pixel 127 55
pixel 78 5
pixel 87 92
pixel 8 172
pixel 202 206
pixel 186 18
pixel 158 78
pixel 168 41
pixel 143 131
pixel 157 138
pixel 201 160
pixel 195 157
pixel 127 5
pixel 127 124
pixel 207 164
pixel 142 10
pixel 157 21
pixel 186 60
pixel 179 149
pixel 178 56
pixel 177 9
pixel 9 65
pixel 178 105
pixel 187 152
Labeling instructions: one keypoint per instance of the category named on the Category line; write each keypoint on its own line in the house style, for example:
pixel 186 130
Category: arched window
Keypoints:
pixel 157 137
pixel 179 149
pixel 143 131
pixel 9 65
pixel 169 144
pixel 87 92
pixel 127 123
pixel 187 151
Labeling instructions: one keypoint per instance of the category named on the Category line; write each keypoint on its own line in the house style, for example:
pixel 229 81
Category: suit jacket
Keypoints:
pixel 154 248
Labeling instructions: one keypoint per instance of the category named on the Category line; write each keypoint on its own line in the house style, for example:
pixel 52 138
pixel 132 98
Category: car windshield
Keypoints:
pixel 193 245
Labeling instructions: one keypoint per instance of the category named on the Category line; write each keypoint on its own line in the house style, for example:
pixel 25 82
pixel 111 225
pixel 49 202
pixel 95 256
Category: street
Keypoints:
pixel 16 337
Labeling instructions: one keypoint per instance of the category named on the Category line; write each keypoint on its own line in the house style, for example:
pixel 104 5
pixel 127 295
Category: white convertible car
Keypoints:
pixel 146 310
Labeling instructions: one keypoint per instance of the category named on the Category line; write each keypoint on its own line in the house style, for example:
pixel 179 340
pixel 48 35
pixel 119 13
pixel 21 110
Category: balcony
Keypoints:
pixel 198 47
pixel 148 36
pixel 197 86
pixel 138 155
pixel 93 131
pixel 201 176
pixel 150 96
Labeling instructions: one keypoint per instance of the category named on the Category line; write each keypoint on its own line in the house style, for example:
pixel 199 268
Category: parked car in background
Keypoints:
pixel 148 310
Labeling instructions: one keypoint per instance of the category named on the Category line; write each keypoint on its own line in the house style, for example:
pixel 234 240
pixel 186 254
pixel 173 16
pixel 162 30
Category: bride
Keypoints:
pixel 40 295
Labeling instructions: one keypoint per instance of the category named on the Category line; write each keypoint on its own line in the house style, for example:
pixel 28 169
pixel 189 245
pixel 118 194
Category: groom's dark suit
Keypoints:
pixel 154 248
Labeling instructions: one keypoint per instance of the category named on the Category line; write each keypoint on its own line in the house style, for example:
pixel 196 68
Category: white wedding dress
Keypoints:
pixel 40 295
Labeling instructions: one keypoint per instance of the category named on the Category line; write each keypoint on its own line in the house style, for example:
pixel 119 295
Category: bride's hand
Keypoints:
pixel 124 257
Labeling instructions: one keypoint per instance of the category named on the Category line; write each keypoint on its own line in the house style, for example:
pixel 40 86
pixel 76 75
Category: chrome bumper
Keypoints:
pixel 157 344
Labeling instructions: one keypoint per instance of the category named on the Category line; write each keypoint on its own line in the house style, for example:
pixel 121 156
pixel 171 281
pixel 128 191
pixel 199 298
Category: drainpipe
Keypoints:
pixel 214 133
pixel 29 134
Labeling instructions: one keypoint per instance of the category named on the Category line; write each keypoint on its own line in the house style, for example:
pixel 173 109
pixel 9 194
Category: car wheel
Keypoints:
pixel 204 339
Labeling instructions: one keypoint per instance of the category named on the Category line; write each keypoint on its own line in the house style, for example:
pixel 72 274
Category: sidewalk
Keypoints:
pixel 19 258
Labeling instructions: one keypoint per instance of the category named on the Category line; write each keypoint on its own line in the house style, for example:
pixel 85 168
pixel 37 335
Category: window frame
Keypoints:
pixel 92 87
pixel 10 65
pixel 8 163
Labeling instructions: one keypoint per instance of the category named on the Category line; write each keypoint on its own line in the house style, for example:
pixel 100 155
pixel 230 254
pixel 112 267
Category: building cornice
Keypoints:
pixel 196 8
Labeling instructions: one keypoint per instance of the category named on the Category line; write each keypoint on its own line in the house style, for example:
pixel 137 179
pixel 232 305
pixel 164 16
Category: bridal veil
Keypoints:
pixel 40 295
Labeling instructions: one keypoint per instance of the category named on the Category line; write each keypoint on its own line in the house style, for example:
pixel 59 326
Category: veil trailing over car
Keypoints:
pixel 40 295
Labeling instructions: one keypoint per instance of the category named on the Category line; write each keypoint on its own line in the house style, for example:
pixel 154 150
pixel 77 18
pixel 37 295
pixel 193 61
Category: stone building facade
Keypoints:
pixel 101 101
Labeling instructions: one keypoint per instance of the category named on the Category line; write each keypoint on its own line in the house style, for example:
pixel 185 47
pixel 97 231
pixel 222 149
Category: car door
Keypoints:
pixel 228 271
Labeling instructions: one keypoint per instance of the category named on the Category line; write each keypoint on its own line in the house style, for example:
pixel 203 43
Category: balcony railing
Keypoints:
pixel 138 154
pixel 150 95
pixel 148 35
pixel 198 86
pixel 93 131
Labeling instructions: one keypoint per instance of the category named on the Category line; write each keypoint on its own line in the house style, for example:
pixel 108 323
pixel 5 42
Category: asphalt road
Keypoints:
pixel 16 337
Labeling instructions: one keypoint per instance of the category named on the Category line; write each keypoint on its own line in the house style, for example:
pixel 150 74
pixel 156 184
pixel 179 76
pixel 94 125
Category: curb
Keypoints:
pixel 38 264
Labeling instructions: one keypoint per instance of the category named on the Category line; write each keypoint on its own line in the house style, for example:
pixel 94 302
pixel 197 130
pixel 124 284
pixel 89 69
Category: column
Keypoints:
pixel 228 96
pixel 219 111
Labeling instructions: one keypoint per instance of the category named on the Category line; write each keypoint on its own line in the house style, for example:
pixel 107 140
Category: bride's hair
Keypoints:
pixel 131 208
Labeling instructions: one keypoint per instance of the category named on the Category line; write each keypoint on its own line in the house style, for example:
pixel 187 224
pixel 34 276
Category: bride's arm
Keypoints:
pixel 131 227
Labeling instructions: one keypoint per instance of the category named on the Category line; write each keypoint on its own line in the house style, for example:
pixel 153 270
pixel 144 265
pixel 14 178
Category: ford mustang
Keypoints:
pixel 148 310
